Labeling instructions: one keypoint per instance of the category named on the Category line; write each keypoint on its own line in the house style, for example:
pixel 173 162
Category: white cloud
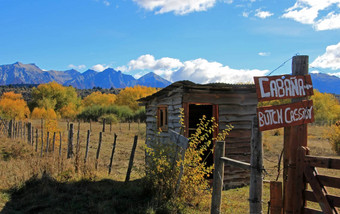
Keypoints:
pixel 198 70
pixel 330 22
pixel 315 72
pixel 335 74
pixel 164 66
pixel 77 67
pixel 308 12
pixel 263 14
pixel 179 7
pixel 99 67
pixel 264 53
pixel 330 59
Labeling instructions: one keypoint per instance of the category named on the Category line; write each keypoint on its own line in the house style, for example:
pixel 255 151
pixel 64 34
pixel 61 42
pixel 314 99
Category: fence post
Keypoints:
pixel 113 151
pixel 98 149
pixel 256 162
pixel 36 139
pixel 275 197
pixel 47 141
pixel 104 121
pixel 87 144
pixel 53 144
pixel 77 149
pixel 131 159
pixel 29 133
pixel 60 141
pixel 216 198
pixel 10 128
pixel 70 142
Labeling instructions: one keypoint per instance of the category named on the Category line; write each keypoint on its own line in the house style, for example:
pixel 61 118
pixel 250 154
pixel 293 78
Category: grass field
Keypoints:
pixel 31 184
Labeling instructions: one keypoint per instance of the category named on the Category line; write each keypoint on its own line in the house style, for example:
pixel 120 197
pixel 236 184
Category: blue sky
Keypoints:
pixel 200 40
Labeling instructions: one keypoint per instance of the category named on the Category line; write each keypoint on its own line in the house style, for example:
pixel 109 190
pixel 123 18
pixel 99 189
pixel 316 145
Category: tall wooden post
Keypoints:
pixel 216 198
pixel 104 122
pixel 294 138
pixel 256 161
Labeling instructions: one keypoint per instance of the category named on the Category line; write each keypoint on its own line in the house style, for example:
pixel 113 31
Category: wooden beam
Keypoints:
pixel 319 192
pixel 236 163
pixel 323 162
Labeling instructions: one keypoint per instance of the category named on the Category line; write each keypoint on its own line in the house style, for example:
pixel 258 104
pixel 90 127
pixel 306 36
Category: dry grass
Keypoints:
pixel 22 171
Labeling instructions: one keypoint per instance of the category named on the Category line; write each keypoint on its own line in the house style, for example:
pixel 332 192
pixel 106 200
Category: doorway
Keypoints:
pixel 195 112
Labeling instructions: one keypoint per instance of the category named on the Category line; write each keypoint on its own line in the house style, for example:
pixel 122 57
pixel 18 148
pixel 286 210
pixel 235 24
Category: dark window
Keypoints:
pixel 162 118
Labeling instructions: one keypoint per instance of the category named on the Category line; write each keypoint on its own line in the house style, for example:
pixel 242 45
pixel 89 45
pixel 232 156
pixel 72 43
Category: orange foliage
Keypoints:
pixel 98 98
pixel 39 113
pixel 13 106
pixel 69 111
pixel 130 95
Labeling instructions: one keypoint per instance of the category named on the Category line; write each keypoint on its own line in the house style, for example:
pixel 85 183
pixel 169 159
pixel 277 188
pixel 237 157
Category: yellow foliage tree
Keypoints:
pixel 100 99
pixel 326 107
pixel 69 111
pixel 130 95
pixel 13 106
pixel 54 96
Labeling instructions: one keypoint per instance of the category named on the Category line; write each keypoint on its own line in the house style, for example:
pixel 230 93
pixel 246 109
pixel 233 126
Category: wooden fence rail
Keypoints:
pixel 318 183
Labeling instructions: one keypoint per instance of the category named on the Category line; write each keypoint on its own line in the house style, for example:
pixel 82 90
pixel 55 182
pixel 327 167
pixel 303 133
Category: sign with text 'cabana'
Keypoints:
pixel 283 87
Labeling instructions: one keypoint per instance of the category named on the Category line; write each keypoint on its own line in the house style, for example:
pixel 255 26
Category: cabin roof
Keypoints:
pixel 210 87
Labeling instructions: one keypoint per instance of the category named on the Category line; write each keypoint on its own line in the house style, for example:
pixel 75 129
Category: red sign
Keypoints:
pixel 293 114
pixel 283 87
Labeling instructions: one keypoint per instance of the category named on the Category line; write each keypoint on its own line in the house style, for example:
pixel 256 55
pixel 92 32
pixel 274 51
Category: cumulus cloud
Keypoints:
pixel 99 67
pixel 198 70
pixel 263 14
pixel 308 12
pixel 107 3
pixel 330 59
pixel 77 67
pixel 179 7
pixel 264 53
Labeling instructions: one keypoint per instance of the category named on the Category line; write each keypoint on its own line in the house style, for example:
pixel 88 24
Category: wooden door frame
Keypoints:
pixel 186 117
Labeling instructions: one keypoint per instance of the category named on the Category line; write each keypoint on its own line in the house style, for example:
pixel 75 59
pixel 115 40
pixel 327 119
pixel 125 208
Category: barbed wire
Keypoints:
pixel 280 66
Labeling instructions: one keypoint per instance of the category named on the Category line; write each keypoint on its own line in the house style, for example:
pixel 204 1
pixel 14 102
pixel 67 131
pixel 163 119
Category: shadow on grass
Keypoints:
pixel 46 195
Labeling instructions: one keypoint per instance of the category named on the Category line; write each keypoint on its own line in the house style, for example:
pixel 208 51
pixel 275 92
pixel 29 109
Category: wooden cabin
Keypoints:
pixel 229 104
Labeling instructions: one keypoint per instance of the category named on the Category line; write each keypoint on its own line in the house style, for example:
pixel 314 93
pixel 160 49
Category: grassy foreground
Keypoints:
pixel 31 184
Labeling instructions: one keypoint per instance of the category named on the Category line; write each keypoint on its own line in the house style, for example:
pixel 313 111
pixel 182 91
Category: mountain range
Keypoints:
pixel 19 73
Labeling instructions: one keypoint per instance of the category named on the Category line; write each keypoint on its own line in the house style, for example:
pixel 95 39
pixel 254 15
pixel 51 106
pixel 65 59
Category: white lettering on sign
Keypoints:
pixel 285 115
pixel 285 87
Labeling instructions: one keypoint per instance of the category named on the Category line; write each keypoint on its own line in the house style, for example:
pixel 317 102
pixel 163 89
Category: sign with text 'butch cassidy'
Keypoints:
pixel 293 114
pixel 283 87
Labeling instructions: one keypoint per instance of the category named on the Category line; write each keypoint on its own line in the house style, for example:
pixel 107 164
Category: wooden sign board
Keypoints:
pixel 283 87
pixel 293 114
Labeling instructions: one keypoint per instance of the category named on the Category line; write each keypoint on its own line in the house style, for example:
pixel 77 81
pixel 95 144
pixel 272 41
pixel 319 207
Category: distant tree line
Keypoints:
pixel 54 101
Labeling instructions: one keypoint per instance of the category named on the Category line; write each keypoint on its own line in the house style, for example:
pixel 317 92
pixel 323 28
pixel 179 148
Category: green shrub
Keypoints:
pixel 109 118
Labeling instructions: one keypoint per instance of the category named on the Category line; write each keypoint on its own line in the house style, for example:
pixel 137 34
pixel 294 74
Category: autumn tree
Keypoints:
pixel 130 95
pixel 57 97
pixel 100 99
pixel 13 106
pixel 326 107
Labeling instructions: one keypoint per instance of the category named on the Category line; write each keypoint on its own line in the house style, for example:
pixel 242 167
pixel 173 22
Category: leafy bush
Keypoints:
pixel 164 164
pixel 333 135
